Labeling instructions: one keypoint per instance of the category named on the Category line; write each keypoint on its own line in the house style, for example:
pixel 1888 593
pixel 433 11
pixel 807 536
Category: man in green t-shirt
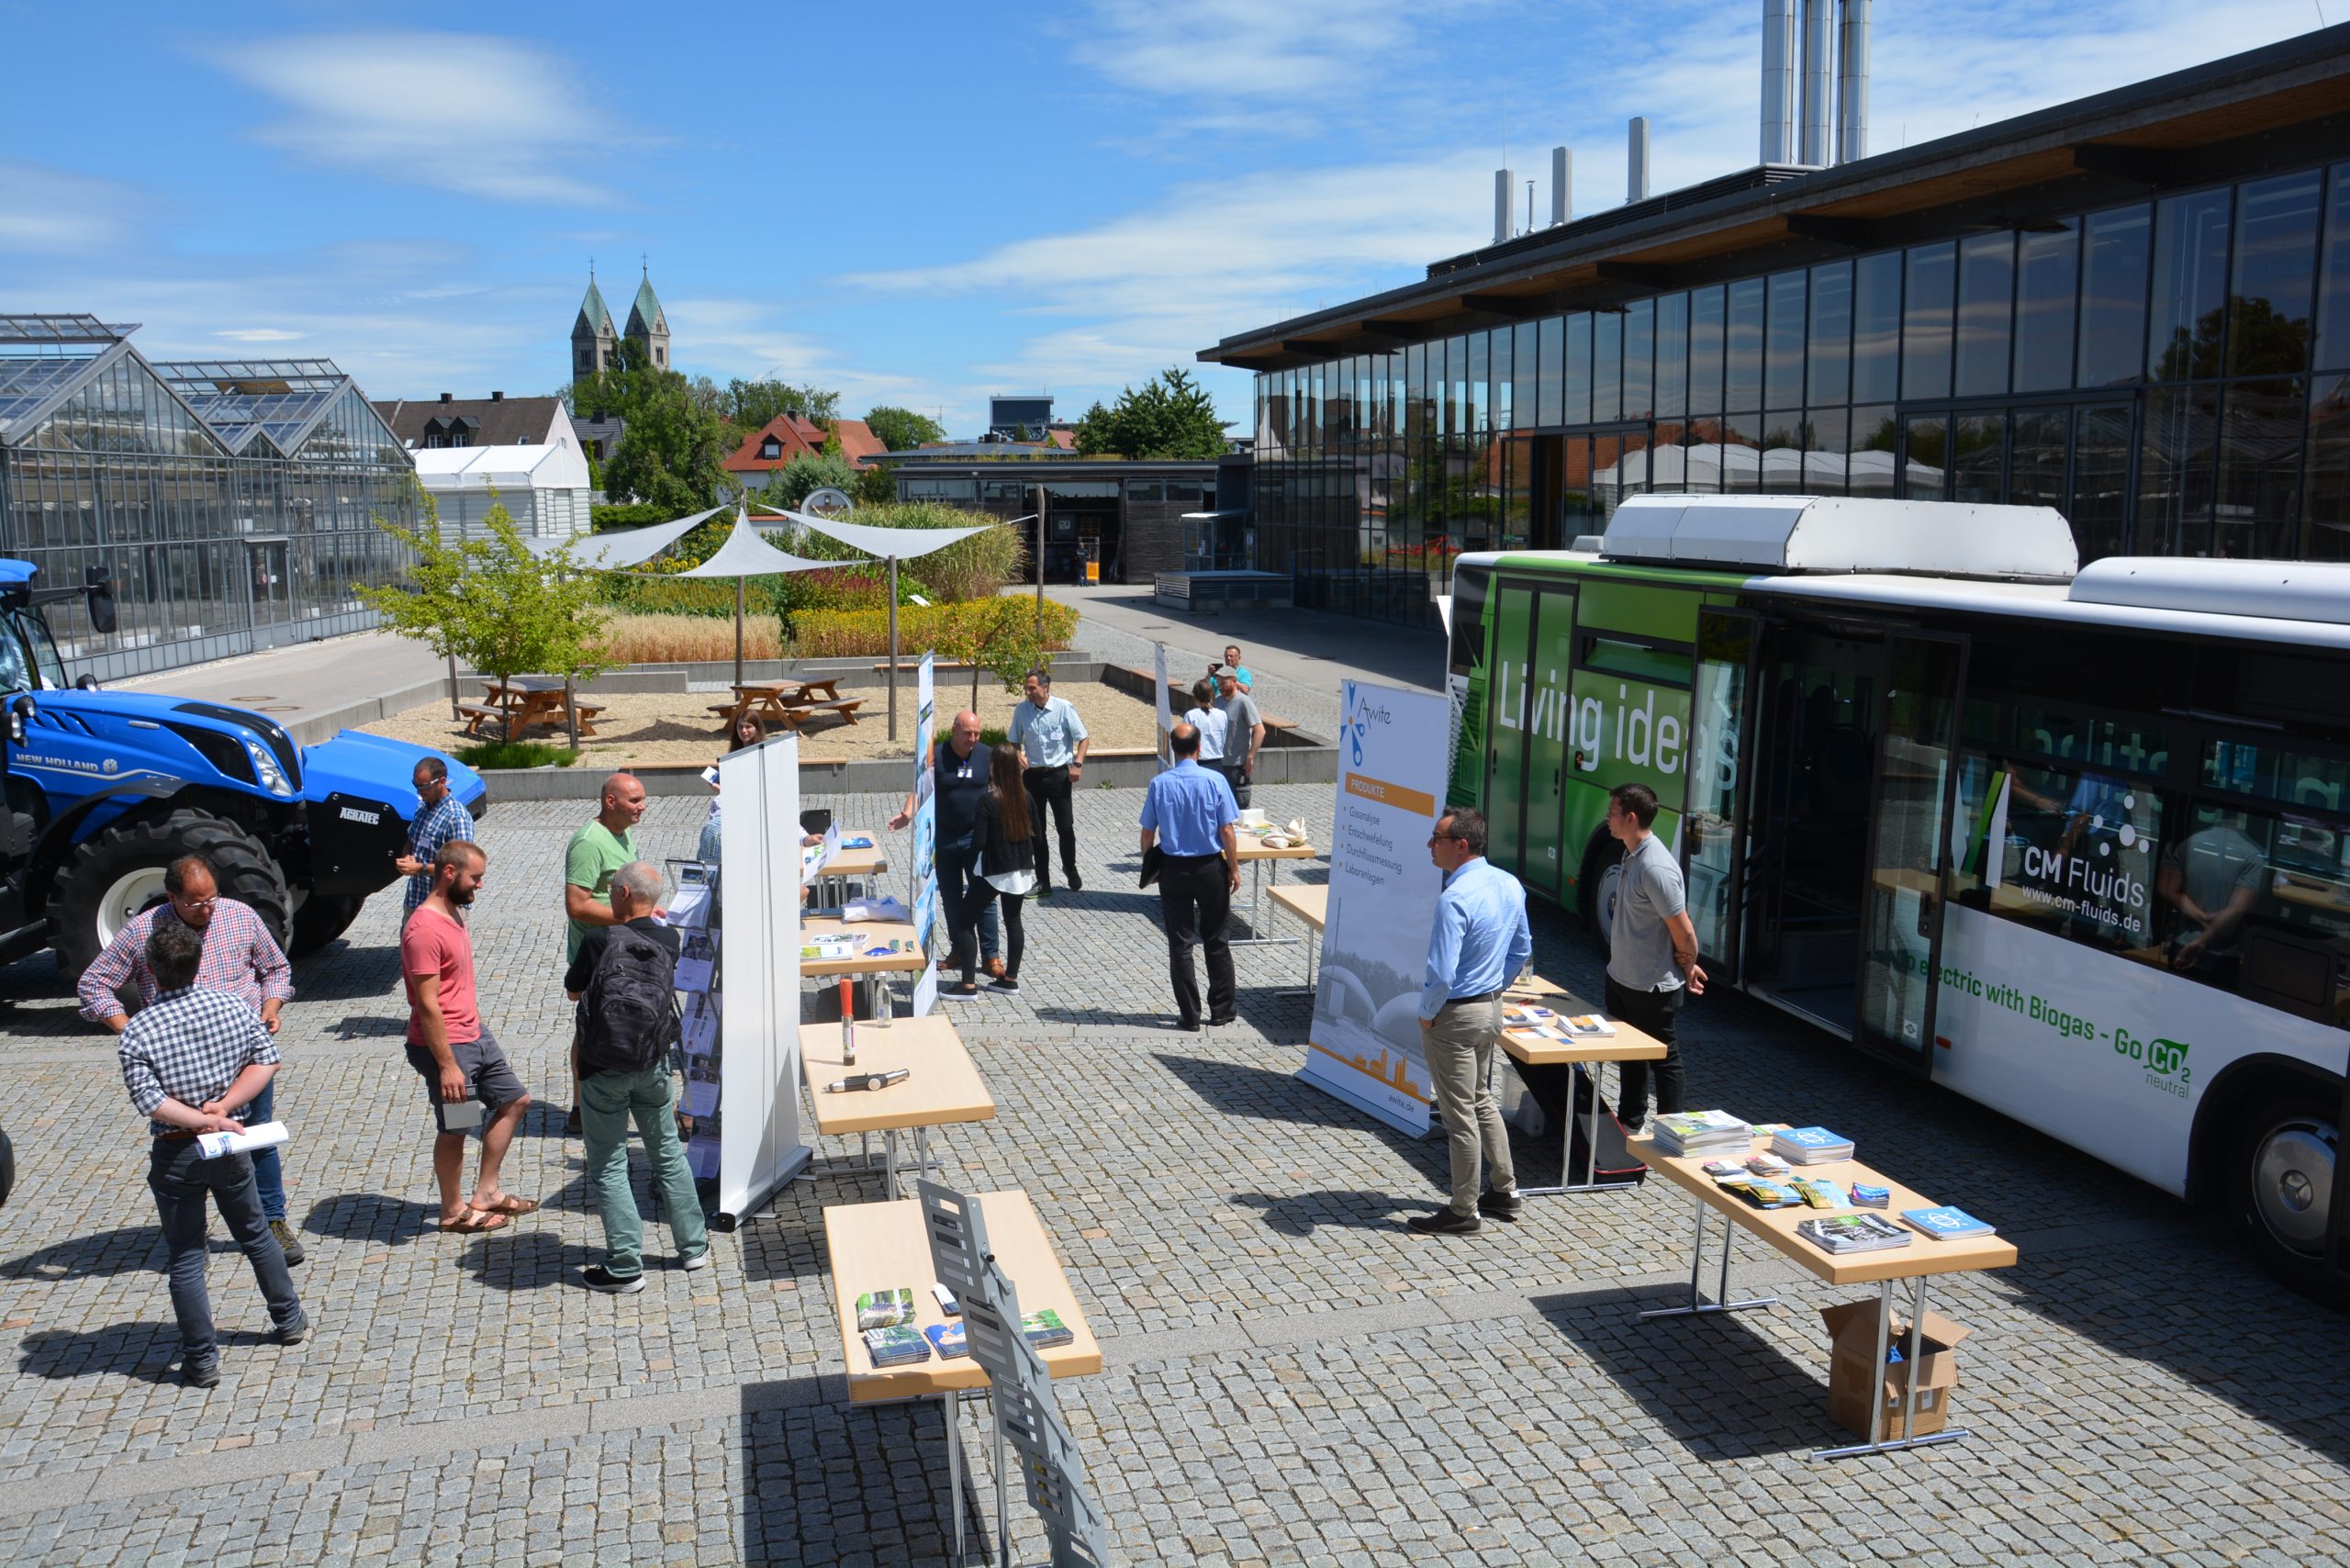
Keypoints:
pixel 600 848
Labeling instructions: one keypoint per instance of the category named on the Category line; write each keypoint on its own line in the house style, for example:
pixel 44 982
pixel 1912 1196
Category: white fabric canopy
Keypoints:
pixel 628 546
pixel 747 555
pixel 882 544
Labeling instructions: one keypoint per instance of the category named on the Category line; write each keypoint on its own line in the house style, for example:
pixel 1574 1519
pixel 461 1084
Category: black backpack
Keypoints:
pixel 628 1016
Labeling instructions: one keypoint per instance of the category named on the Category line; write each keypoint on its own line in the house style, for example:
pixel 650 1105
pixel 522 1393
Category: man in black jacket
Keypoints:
pixel 610 1096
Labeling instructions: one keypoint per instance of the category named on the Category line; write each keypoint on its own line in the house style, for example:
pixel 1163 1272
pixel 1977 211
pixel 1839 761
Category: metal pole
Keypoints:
pixel 571 711
pixel 1040 560
pixel 893 647
pixel 738 631
pixel 453 714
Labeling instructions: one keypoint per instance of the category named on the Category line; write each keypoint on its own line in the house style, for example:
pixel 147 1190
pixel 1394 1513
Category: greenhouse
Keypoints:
pixel 233 502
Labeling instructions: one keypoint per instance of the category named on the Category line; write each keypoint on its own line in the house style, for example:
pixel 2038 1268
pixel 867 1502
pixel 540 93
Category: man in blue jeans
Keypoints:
pixel 610 1098
pixel 240 956
pixel 195 1062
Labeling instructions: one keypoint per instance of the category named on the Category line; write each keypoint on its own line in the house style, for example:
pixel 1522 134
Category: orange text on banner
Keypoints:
pixel 1395 795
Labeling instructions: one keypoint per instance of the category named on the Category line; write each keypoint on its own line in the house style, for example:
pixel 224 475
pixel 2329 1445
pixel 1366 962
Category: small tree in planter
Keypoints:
pixel 998 635
pixel 493 604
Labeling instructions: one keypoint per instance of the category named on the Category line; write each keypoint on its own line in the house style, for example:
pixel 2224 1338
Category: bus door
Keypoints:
pixel 1815 723
pixel 1910 847
pixel 1527 729
pixel 1713 833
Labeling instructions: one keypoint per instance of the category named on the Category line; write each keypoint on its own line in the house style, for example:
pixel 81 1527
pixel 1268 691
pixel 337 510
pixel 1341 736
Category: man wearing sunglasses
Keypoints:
pixel 240 958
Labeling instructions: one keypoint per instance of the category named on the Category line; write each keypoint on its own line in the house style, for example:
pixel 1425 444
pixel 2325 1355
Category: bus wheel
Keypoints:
pixel 2280 1187
pixel 1603 871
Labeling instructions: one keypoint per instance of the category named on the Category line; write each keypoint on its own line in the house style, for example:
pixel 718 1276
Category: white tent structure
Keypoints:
pixel 745 555
pixel 545 488
pixel 625 547
pixel 890 544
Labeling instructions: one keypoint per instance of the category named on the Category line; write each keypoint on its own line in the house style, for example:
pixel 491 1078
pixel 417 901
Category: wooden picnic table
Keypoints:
pixel 786 704
pixel 520 702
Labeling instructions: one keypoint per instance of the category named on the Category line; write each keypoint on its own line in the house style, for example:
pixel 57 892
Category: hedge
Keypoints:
pixel 852 633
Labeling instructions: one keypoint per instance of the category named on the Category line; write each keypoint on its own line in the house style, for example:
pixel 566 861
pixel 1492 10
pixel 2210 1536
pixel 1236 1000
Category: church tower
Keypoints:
pixel 648 328
pixel 593 338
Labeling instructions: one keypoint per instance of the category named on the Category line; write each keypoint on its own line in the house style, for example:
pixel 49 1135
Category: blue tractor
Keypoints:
pixel 105 788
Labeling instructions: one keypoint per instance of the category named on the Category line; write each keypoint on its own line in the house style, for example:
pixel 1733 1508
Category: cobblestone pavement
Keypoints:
pixel 1290 1377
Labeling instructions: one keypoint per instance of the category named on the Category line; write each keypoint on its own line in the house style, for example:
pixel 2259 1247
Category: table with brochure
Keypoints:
pixel 1937 1243
pixel 1541 1029
pixel 942 1083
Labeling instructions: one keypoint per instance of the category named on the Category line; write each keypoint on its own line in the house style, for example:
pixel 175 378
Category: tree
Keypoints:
pixel 752 404
pixel 803 475
pixel 876 486
pixel 490 604
pixel 1172 415
pixel 670 453
pixel 902 430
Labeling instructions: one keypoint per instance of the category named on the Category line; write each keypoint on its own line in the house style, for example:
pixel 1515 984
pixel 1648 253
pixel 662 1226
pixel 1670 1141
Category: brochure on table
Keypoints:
pixel 1363 1043
pixel 925 831
pixel 741 1032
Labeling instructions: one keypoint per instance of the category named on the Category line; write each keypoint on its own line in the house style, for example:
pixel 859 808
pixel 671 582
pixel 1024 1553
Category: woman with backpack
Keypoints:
pixel 1006 839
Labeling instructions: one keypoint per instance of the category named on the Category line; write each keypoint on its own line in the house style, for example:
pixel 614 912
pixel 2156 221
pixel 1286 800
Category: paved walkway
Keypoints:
pixel 1291 1378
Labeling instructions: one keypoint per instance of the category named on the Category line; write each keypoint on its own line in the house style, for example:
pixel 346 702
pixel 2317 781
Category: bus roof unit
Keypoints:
pixel 2277 590
pixel 1844 534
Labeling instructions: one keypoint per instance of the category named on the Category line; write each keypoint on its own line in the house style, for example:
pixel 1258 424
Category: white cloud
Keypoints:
pixel 57 211
pixel 483 117
pixel 1225 49
pixel 259 335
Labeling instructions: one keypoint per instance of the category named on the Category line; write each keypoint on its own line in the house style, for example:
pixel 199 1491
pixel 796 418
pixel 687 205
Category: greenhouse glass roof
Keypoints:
pixel 281 398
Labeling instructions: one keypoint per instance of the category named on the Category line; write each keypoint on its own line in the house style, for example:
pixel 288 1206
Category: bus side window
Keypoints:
pixel 2261 906
pixel 2073 852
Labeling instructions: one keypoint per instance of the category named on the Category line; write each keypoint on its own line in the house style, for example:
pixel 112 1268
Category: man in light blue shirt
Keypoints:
pixel 1479 945
pixel 1188 815
pixel 1049 732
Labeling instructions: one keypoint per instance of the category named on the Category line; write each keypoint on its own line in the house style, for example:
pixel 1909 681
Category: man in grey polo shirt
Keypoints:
pixel 1651 950
pixel 1244 734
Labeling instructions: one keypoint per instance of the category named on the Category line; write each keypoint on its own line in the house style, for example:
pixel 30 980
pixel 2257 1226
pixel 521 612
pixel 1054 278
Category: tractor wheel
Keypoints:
pixel 121 872
pixel 318 920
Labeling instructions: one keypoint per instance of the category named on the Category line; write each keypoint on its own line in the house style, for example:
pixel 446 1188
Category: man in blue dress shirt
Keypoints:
pixel 1480 942
pixel 1189 813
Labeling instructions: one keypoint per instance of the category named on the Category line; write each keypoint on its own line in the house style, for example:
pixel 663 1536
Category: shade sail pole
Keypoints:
pixel 893 648
pixel 738 630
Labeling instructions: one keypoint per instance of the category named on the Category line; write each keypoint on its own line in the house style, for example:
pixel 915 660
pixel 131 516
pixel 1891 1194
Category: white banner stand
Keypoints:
pixel 1363 1043
pixel 925 830
pixel 758 894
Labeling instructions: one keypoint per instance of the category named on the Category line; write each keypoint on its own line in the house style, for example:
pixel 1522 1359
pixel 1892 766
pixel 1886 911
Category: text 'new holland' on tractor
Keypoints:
pixel 105 788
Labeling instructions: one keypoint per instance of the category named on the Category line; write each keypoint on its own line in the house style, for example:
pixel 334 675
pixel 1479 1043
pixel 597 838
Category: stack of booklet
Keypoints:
pixel 1703 1132
pixel 1810 1145
pixel 896 1347
pixel 1856 1232
pixel 1042 1329
pixel 1948 1222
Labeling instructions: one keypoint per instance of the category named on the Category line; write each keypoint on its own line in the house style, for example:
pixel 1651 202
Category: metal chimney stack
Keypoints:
pixel 1818 81
pixel 1853 84
pixel 1502 180
pixel 1778 81
pixel 1562 179
pixel 1636 179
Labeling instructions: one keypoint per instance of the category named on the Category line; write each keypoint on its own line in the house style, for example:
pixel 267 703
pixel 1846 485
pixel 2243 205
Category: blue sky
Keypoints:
pixel 914 204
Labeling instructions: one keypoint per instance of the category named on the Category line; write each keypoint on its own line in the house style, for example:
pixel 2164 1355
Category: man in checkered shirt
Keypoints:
pixel 240 956
pixel 196 1061
pixel 442 819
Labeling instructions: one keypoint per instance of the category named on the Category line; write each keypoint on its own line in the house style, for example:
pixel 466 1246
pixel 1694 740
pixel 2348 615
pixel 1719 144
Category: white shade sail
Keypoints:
pixel 904 543
pixel 627 546
pixel 747 555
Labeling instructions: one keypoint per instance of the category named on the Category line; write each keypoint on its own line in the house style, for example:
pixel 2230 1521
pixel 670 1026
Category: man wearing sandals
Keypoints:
pixel 448 1047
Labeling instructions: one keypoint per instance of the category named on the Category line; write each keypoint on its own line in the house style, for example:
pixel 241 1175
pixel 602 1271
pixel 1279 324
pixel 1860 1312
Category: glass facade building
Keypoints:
pixel 2171 371
pixel 234 504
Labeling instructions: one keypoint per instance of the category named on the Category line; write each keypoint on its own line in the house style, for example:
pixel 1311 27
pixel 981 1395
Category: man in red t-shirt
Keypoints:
pixel 447 1044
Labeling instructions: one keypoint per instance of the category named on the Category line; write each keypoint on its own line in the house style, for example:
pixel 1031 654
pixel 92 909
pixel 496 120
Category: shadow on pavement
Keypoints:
pixel 370 1216
pixel 368 1026
pixel 1302 1214
pixel 804 1447
pixel 347 973
pixel 524 1257
pixel 133 1248
pixel 1715 1386
pixel 145 1350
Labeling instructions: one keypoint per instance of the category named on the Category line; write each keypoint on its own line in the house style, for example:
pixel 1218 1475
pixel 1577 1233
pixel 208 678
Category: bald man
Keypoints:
pixel 961 783
pixel 599 849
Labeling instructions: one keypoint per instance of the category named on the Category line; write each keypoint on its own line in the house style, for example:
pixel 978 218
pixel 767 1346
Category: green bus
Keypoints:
pixel 2073 841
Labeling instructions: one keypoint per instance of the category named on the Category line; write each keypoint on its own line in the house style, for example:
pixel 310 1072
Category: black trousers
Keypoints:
pixel 1236 775
pixel 1048 786
pixel 1195 900
pixel 1656 1011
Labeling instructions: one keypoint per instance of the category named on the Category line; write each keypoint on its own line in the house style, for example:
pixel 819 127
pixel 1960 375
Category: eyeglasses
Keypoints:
pixel 1435 836
pixel 195 903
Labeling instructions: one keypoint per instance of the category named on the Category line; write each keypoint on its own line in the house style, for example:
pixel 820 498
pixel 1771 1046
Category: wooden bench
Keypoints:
pixel 480 713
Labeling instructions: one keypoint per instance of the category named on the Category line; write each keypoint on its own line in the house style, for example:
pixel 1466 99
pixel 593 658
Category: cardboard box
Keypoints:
pixel 1854 1381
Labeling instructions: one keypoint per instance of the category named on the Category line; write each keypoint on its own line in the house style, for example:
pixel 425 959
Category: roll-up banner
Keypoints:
pixel 1364 1042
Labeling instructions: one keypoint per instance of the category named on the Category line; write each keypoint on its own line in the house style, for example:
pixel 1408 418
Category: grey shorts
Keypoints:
pixel 494 1081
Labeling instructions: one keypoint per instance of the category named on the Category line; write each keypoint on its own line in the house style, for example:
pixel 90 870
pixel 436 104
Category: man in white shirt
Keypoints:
pixel 1049 731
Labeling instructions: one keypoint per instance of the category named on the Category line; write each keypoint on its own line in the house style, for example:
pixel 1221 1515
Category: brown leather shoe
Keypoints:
pixel 995 969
